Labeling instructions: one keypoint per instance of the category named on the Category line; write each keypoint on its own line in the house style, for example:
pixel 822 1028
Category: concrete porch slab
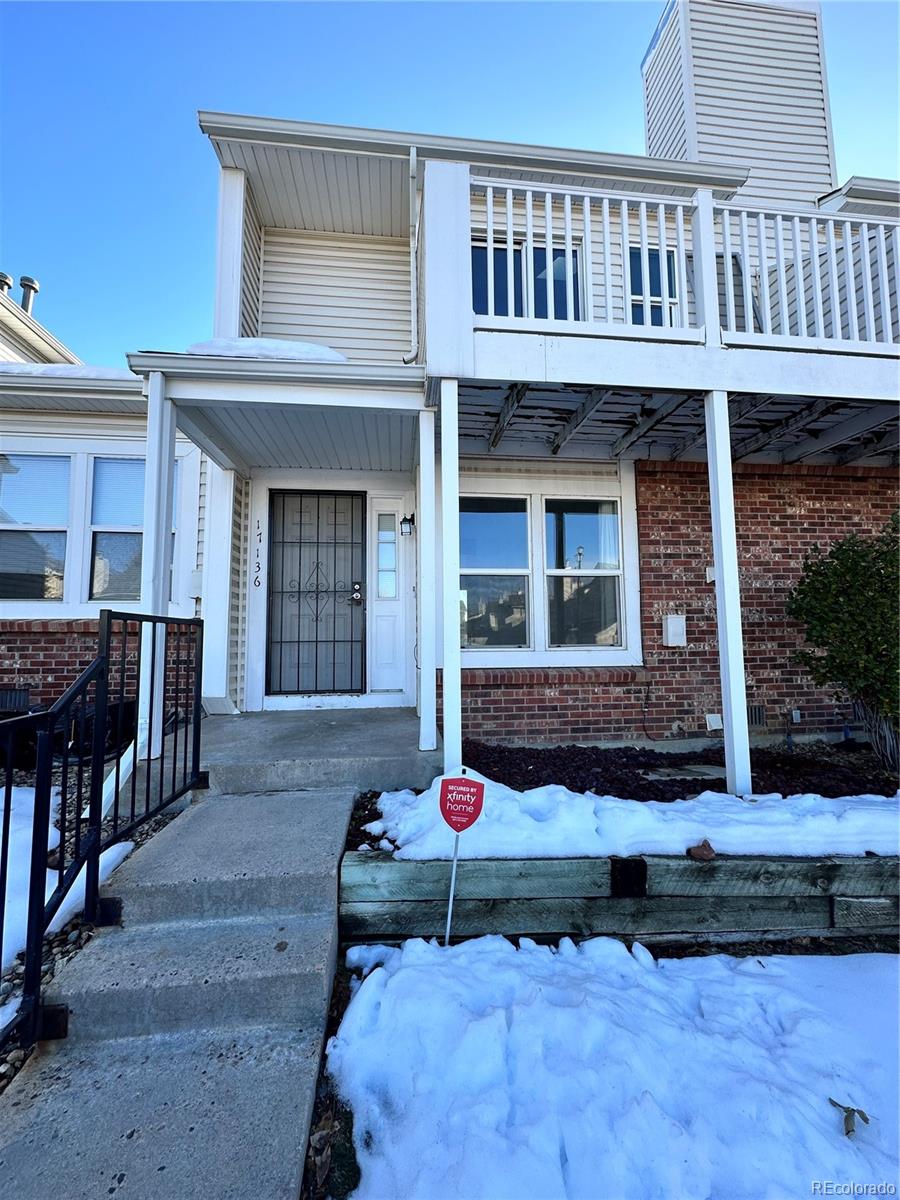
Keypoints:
pixel 368 749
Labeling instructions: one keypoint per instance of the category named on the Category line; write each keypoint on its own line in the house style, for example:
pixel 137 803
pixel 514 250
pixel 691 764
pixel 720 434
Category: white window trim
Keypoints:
pixel 81 451
pixel 555 487
pixel 530 284
pixel 513 572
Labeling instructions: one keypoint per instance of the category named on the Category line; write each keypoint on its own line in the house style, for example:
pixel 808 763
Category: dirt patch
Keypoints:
pixel 827 769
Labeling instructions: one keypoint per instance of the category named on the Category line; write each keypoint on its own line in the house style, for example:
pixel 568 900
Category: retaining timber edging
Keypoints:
pixel 384 897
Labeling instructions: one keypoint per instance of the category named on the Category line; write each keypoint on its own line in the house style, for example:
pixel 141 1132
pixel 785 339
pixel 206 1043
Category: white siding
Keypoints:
pixel 250 268
pixel 756 96
pixel 351 293
pixel 237 607
pixel 665 95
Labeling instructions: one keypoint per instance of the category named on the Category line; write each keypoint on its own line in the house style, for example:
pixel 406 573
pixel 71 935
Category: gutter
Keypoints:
pixel 413 258
pixel 201 366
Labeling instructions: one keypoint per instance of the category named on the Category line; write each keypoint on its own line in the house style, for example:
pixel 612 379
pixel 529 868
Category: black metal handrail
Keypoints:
pixel 137 706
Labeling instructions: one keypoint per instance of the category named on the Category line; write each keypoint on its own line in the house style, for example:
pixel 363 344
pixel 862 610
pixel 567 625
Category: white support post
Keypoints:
pixel 452 677
pixel 216 587
pixel 156 553
pixel 229 253
pixel 728 595
pixel 706 279
pixel 425 584
pixel 447 237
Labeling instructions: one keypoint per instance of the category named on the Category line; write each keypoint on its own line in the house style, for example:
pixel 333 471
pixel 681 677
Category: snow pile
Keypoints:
pixel 66 371
pixel 552 822
pixel 269 348
pixel 483 1072
pixel 20 827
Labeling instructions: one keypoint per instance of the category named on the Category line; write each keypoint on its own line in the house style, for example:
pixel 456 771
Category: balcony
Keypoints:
pixel 689 270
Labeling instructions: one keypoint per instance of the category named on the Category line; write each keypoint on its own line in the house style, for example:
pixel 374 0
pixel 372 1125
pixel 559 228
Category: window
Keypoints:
pixel 494 579
pixel 637 286
pixel 117 514
pixel 34 517
pixel 520 283
pixel 581 546
pixel 387 556
pixel 549 567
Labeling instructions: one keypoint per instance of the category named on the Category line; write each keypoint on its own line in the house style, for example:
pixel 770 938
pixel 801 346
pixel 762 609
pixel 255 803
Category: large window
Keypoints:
pixel 523 285
pixel 71 526
pixel 655 281
pixel 494 579
pixel 34 517
pixel 117 513
pixel 542 575
pixel 581 539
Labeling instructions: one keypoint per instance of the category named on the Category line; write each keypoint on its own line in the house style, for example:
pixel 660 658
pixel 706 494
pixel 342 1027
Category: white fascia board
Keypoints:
pixel 40 386
pixel 23 325
pixel 353 140
pixel 199 366
pixel 862 189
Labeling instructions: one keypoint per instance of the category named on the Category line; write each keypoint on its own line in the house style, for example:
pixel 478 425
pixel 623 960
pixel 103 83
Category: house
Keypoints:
pixel 531 439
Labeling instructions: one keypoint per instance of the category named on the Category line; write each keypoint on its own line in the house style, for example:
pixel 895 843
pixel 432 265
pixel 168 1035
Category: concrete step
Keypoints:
pixel 220 974
pixel 239 856
pixel 215 1116
pixel 367 749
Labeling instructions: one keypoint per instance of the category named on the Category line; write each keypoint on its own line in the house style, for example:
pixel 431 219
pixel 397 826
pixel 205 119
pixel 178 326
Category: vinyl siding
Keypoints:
pixel 237 607
pixel 348 292
pixel 665 98
pixel 756 96
pixel 760 99
pixel 250 268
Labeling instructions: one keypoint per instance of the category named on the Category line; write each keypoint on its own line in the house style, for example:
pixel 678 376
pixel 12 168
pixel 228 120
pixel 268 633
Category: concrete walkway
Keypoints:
pixel 363 748
pixel 196 1029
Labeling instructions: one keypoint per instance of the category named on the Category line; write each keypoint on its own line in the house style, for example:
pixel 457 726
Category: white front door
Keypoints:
pixel 387 597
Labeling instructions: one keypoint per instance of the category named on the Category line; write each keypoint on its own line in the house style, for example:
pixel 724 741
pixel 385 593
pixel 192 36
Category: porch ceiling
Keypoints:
pixel 304 437
pixel 547 420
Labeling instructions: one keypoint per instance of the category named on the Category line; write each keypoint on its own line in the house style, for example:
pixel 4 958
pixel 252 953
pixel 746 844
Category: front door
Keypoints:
pixel 317 576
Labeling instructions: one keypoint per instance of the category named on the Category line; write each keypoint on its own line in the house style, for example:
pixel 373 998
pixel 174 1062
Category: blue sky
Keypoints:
pixel 108 189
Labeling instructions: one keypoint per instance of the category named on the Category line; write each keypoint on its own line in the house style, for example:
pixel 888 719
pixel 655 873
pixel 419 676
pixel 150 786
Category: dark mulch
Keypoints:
pixel 828 769
pixel 331 1171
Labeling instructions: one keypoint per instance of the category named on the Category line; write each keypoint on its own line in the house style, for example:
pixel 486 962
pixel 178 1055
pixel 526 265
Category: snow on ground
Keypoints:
pixel 66 371
pixel 269 348
pixel 21 819
pixel 483 1072
pixel 552 822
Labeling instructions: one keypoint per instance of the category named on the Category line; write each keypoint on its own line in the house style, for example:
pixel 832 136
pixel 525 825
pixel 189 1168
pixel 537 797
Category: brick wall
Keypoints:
pixel 45 656
pixel 781 513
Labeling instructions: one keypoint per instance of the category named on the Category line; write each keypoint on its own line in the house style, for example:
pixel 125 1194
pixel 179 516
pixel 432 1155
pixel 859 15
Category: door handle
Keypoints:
pixel 355 596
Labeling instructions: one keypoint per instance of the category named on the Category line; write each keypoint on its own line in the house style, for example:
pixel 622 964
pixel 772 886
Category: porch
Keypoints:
pixel 293 751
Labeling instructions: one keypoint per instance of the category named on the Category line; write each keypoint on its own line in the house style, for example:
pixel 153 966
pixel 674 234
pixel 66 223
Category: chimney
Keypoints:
pixel 6 282
pixel 30 288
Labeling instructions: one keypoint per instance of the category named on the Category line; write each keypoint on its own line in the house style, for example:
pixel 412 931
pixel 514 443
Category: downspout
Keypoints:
pixel 413 258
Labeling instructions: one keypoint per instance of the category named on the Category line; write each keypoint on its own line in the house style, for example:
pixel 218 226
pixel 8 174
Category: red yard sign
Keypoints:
pixel 461 802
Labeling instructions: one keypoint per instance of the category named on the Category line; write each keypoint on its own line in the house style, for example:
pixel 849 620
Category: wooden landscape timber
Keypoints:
pixel 386 898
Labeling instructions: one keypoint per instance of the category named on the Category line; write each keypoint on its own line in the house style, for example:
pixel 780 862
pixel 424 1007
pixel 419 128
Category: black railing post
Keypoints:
pixel 37 886
pixel 98 759
pixel 197 706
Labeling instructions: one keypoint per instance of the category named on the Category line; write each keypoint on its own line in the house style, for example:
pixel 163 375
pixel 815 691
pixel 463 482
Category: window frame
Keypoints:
pixel 477 479
pixel 43 527
pixel 582 573
pixel 637 298
pixel 527 273
pixel 515 572
pixel 82 447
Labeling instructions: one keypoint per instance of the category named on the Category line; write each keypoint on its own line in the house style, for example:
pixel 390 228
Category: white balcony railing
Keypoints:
pixel 826 279
pixel 615 261
pixel 589 261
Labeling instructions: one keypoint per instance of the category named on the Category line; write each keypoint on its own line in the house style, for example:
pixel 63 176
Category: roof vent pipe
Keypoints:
pixel 6 282
pixel 30 288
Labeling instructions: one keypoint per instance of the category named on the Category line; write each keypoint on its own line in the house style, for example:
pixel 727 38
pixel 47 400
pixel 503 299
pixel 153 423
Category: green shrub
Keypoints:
pixel 847 600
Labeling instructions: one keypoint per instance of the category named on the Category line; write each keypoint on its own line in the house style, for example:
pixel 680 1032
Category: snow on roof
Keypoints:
pixel 66 371
pixel 268 348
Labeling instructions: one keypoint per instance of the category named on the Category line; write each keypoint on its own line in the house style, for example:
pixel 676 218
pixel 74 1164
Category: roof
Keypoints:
pixel 862 194
pixel 38 341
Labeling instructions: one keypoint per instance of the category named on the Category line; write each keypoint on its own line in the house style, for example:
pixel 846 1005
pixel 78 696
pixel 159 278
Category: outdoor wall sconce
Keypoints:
pixel 407 525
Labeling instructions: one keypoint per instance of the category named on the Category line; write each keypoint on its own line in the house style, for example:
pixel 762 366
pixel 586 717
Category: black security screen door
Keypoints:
pixel 317 552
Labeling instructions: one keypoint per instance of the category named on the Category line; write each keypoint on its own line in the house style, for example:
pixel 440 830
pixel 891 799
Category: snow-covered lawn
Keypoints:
pixel 483 1072
pixel 21 819
pixel 552 822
